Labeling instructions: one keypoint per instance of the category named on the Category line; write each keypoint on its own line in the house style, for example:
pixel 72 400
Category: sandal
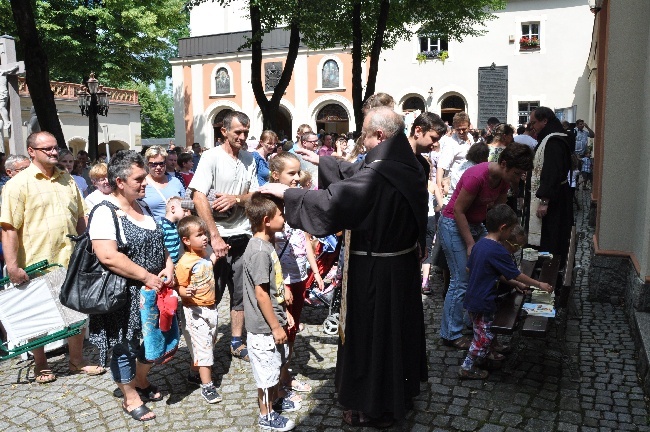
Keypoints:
pixel 149 394
pixel 44 376
pixel 356 418
pixel 473 373
pixel 300 386
pixel 90 370
pixel 241 352
pixel 138 413
pixel 462 343
pixel 359 419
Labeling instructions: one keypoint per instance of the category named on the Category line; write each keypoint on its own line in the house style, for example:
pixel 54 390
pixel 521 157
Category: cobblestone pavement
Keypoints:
pixel 536 394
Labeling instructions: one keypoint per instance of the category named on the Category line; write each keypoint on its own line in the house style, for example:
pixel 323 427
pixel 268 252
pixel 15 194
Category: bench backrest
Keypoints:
pixel 568 268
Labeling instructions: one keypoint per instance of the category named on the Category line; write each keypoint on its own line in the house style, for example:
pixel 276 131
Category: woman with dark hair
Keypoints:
pixel 143 260
pixel 502 135
pixel 551 209
pixel 461 225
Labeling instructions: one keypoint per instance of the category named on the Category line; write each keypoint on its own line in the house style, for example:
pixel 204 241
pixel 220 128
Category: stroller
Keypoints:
pixel 330 298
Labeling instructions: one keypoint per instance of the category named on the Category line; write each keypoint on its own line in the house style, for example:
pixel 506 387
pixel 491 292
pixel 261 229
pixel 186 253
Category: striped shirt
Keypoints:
pixel 172 239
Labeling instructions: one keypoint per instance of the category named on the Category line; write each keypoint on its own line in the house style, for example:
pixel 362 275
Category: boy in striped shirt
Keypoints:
pixel 173 213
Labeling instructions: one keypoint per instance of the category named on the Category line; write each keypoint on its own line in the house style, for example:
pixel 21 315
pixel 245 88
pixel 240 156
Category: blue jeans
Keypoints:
pixel 123 360
pixel 456 253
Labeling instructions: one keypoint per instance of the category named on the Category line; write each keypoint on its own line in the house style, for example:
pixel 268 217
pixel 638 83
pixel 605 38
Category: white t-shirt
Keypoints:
pixel 453 151
pixel 526 139
pixel 220 171
pixel 95 198
pixel 102 226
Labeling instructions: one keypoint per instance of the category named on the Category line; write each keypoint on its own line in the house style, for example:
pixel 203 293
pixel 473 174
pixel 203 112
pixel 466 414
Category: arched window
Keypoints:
pixel 331 74
pixel 222 81
pixel 413 103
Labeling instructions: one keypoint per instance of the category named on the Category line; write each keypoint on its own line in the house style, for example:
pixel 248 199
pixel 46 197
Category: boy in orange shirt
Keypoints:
pixel 196 289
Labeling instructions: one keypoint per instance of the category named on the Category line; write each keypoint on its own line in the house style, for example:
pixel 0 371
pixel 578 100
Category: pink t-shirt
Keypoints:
pixel 476 181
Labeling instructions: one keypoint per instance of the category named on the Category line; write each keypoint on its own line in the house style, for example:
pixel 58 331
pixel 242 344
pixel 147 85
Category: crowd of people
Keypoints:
pixel 399 199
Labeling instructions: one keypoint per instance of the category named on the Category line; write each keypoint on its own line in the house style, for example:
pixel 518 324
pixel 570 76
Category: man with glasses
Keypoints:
pixel 41 205
pixel 453 150
pixel 309 141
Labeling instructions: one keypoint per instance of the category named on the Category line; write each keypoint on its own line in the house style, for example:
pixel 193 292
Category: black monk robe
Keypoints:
pixel 383 201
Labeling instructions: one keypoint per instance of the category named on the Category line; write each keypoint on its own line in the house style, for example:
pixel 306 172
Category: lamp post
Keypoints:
pixel 93 102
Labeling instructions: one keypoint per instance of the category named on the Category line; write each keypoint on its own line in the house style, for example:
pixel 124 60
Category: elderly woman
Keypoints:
pixel 268 145
pixel 98 176
pixel 160 185
pixel 144 262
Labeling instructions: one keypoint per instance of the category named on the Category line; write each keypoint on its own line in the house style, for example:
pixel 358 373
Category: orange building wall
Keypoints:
pixel 187 98
pixel 290 92
pixel 235 80
pixel 312 84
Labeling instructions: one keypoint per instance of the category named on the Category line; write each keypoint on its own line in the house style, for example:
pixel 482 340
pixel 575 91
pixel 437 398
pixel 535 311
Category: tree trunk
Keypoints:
pixel 357 83
pixel 375 52
pixel 37 73
pixel 270 108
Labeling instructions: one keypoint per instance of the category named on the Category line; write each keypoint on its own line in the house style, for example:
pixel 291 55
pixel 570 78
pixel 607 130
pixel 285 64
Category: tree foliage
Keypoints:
pixel 120 40
pixel 157 109
pixel 365 26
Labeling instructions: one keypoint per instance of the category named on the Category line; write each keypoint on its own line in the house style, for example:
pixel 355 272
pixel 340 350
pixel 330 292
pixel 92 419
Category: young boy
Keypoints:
pixel 173 213
pixel 265 311
pixel 185 165
pixel 195 275
pixel 488 260
pixel 587 168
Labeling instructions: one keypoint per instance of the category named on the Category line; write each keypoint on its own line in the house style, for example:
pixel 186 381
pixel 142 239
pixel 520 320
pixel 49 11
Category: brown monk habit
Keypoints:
pixel 383 201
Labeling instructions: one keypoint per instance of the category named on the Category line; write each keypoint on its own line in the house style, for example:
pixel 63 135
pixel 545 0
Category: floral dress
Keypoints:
pixel 145 248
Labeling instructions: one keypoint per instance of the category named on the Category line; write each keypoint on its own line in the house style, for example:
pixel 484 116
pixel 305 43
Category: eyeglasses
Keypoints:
pixel 18 169
pixel 462 129
pixel 514 245
pixel 311 141
pixel 47 149
pixel 156 164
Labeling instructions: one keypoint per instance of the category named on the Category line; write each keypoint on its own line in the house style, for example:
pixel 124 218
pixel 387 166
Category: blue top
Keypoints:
pixel 156 202
pixel 488 260
pixel 262 168
pixel 172 239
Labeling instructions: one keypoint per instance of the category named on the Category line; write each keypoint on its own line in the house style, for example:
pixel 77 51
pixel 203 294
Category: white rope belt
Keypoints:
pixel 385 254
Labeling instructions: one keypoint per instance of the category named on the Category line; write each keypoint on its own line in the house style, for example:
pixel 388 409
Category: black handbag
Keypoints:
pixel 89 287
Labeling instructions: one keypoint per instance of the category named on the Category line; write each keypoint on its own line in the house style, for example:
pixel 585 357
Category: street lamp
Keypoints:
pixel 93 102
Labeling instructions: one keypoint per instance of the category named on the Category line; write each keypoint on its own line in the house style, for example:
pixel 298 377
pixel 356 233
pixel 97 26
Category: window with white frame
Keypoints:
pixel 433 44
pixel 530 38
pixel 525 108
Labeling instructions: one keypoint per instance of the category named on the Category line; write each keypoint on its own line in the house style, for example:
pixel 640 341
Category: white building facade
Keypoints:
pixel 537 48
pixel 121 128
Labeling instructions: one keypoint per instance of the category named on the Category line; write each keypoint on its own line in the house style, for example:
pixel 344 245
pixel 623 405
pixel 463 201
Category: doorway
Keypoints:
pixel 451 105
pixel 333 118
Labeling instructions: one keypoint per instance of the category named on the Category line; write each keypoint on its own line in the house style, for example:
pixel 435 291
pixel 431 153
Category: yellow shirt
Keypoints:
pixel 196 271
pixel 43 211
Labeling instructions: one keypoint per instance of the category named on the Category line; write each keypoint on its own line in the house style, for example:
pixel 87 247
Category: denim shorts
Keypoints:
pixel 123 360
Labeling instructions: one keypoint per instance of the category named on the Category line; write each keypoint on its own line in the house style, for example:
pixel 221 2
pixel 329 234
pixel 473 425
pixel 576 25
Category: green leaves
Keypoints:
pixel 157 109
pixel 120 40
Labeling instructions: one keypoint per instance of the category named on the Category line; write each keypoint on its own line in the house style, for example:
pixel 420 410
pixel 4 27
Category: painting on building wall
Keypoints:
pixel 222 81
pixel 272 74
pixel 330 74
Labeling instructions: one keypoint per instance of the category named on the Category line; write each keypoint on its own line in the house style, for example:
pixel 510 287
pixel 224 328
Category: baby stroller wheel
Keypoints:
pixel 331 324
